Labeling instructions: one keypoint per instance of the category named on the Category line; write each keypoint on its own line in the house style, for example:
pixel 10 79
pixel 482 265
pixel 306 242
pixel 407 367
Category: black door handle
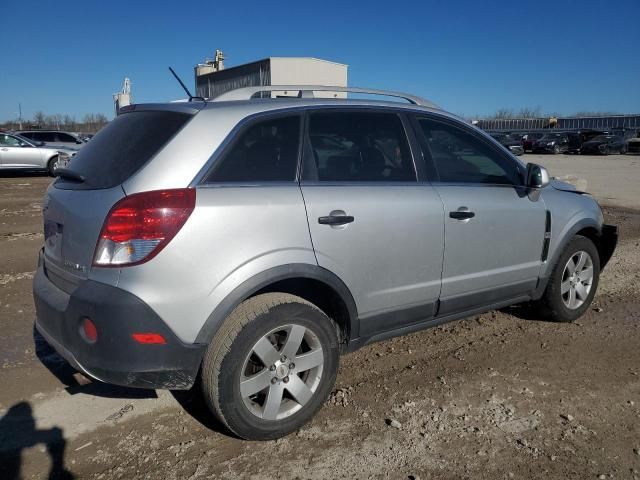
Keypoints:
pixel 335 220
pixel 462 215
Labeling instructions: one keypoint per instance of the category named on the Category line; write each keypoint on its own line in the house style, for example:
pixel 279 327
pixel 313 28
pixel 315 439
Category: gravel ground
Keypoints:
pixel 498 395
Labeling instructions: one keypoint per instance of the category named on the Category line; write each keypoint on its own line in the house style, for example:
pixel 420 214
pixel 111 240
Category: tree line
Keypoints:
pixel 536 112
pixel 90 122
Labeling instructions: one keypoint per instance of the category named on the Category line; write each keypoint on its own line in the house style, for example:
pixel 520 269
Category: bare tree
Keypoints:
pixel 528 112
pixel 502 113
pixel 39 119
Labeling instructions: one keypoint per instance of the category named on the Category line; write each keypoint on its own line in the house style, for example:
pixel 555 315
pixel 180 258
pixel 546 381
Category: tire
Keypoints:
pixel 556 149
pixel 555 304
pixel 623 150
pixel 51 166
pixel 253 327
pixel 605 151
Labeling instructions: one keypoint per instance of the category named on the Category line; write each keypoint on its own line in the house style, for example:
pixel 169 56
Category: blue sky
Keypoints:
pixel 471 57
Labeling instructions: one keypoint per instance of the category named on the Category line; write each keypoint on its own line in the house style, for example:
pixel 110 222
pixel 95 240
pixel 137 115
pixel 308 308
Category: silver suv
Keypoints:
pixel 245 243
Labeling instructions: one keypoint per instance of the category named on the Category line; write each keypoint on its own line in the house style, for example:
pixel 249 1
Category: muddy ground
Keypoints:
pixel 498 395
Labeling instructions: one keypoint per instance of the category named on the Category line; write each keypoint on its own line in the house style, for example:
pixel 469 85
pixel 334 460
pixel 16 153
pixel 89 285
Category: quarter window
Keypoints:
pixel 266 152
pixel 461 157
pixel 360 147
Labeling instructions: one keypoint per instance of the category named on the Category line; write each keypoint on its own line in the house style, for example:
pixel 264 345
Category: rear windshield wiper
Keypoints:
pixel 69 175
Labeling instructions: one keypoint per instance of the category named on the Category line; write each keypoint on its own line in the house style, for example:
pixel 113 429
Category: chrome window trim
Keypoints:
pixel 198 179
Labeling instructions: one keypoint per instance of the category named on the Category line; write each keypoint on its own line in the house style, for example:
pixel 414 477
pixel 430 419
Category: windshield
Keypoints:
pixel 602 137
pixel 552 136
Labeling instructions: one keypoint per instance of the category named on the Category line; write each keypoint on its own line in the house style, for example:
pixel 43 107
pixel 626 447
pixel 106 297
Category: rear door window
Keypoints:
pixel 122 147
pixel 267 151
pixel 359 147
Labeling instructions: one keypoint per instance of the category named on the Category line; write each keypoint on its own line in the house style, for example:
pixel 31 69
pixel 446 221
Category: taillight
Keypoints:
pixel 139 226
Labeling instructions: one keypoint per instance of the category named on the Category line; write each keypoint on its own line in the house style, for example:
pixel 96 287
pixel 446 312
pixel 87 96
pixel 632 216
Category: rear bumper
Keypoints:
pixel 115 357
pixel 539 149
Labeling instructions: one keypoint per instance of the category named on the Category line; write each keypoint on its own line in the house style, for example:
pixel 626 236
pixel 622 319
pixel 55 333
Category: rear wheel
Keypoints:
pixel 52 165
pixel 573 282
pixel 605 150
pixel 556 149
pixel 271 366
pixel 623 150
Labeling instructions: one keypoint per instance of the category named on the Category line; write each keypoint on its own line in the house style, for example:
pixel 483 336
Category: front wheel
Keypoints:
pixel 556 149
pixel 271 366
pixel 573 282
pixel 52 164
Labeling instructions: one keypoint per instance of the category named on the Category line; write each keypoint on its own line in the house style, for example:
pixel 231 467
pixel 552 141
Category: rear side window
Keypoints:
pixel 265 152
pixel 65 137
pixel 360 147
pixel 461 157
pixel 122 147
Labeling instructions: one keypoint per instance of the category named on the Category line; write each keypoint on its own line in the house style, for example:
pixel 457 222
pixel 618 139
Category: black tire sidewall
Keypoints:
pixel 239 419
pixel 554 297
pixel 50 165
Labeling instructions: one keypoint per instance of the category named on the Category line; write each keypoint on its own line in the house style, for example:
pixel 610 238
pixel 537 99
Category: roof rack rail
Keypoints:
pixel 306 91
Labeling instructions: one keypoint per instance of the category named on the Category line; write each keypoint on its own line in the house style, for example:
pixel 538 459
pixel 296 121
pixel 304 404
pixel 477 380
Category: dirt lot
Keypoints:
pixel 500 395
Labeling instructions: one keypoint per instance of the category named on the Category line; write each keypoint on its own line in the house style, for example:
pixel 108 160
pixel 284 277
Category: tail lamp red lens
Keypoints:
pixel 89 330
pixel 139 226
pixel 149 338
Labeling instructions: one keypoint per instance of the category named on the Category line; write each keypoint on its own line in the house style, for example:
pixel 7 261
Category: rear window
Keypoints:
pixel 121 148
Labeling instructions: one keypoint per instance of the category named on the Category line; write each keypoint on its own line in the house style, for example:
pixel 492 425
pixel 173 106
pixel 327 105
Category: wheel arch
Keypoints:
pixel 586 227
pixel 311 282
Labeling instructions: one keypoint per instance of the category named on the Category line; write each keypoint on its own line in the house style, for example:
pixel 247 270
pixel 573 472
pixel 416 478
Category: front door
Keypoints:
pixel 371 222
pixel 15 153
pixel 494 227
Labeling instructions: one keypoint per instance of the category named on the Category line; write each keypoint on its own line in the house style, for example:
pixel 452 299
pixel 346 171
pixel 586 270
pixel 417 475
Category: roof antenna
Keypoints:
pixel 191 97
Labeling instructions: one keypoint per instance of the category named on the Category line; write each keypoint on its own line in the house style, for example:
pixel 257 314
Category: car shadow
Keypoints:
pixel 17 432
pixel 190 400
pixel 69 376
pixel 23 173
pixel 194 404
pixel 524 311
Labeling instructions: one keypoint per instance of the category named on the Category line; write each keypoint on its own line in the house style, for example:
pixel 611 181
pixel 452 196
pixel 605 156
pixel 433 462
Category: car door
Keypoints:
pixel 15 153
pixel 494 226
pixel 371 222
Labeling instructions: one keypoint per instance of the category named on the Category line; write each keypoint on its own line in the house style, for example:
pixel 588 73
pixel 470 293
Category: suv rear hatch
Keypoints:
pixel 78 201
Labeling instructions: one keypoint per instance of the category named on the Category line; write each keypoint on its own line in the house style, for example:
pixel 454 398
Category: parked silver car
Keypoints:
pixel 19 153
pixel 54 138
pixel 245 243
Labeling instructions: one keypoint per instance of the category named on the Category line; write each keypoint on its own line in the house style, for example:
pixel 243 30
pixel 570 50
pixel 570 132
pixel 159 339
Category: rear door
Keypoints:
pixel 494 227
pixel 372 223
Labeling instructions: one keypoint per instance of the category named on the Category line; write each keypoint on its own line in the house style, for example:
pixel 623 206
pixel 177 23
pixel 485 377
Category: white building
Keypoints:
pixel 212 79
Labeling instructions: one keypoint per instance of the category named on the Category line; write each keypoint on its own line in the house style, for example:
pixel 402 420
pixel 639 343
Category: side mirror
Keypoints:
pixel 25 145
pixel 537 176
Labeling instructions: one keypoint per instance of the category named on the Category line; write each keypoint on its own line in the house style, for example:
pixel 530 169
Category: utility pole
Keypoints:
pixel 20 116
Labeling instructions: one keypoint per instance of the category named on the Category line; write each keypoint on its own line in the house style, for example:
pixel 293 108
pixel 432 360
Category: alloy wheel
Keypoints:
pixel 282 372
pixel 577 278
